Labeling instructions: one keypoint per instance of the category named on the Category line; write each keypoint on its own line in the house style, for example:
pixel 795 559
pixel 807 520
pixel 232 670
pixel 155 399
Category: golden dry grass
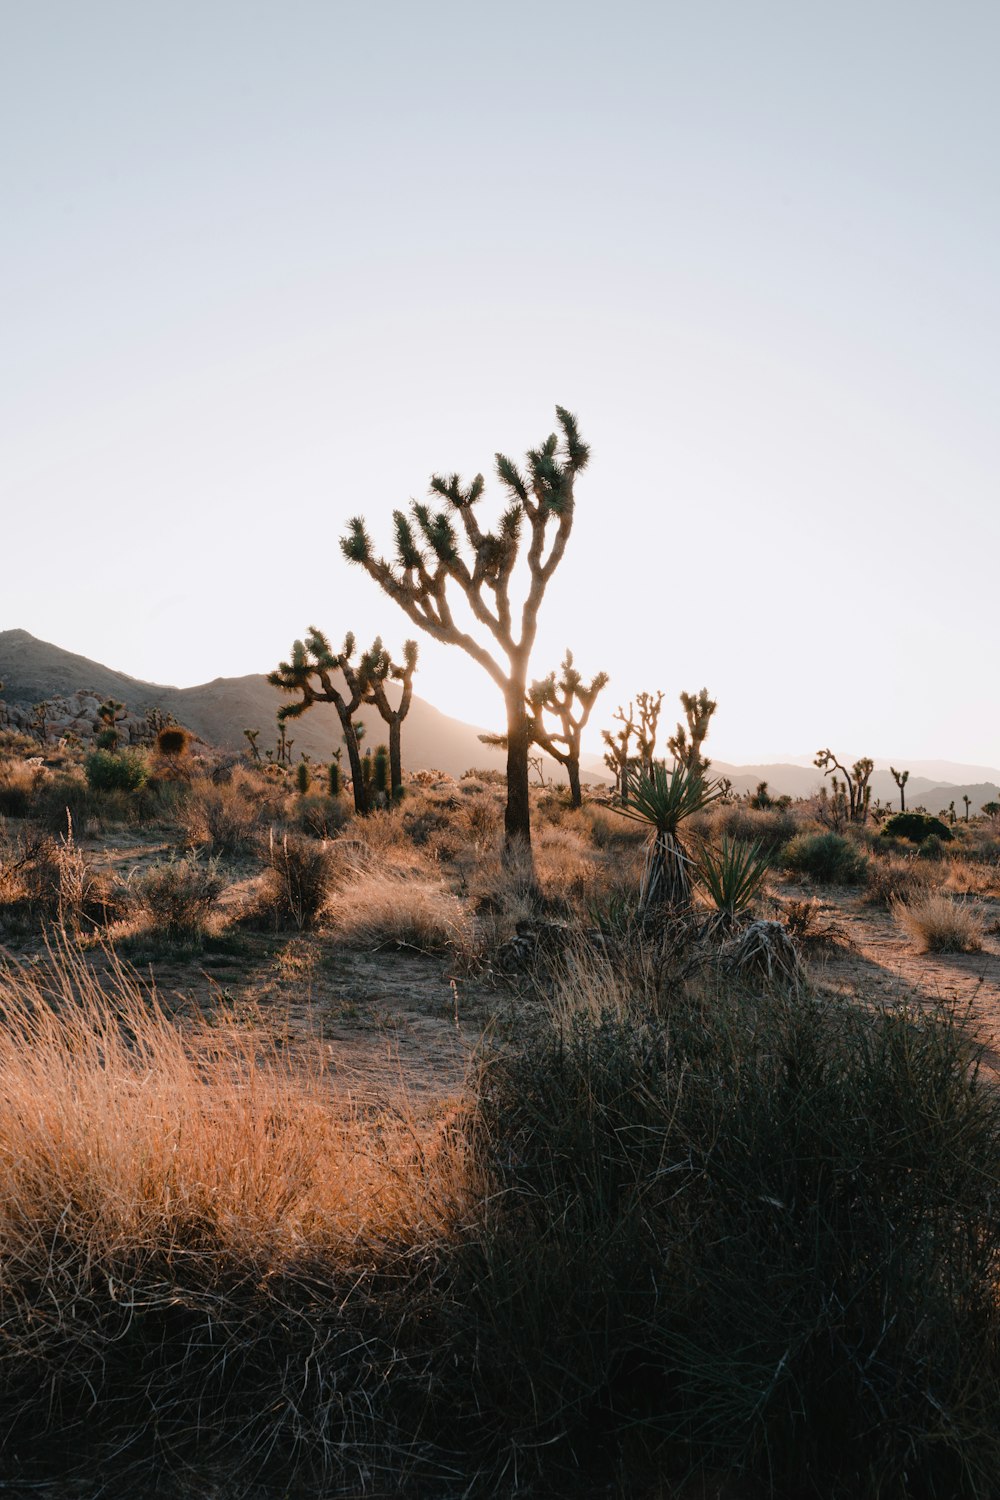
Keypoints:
pixel 134 1137
pixel 941 925
pixel 379 907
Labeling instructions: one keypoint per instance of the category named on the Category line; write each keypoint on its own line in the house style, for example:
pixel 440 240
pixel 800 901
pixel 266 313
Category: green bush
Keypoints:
pixel 762 1233
pixel 932 847
pixel 115 771
pixel 825 857
pixel 915 827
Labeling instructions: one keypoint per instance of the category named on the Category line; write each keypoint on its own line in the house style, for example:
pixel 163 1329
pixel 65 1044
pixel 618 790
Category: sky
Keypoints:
pixel 265 266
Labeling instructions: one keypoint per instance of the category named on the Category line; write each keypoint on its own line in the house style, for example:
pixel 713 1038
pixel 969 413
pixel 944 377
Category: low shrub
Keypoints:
pixel 300 875
pixel 176 898
pixel 115 770
pixel 229 817
pixel 890 881
pixel 769 828
pixel 915 827
pixel 942 925
pixel 826 857
pixel 763 1233
pixel 322 817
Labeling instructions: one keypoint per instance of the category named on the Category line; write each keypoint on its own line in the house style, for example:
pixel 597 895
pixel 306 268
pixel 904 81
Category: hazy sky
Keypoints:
pixel 267 265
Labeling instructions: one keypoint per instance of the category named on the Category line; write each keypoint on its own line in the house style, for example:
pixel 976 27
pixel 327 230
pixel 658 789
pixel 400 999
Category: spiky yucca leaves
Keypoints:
pixel 733 876
pixel 429 567
pixel 662 800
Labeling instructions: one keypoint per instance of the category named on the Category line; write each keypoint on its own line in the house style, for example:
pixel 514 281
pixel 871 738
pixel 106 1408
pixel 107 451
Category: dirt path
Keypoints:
pixel 877 961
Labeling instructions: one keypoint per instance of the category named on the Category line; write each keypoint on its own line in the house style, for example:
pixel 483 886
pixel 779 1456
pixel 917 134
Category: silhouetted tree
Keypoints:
pixel 617 757
pixel 855 781
pixel 900 778
pixel 685 745
pixel 376 668
pixel 309 673
pixel 559 699
pixel 429 568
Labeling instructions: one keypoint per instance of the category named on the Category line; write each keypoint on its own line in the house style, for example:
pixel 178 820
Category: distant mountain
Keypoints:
pixel 219 711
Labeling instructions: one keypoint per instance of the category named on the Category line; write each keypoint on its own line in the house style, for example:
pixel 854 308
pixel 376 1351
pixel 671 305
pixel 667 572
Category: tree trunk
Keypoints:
pixel 357 775
pixel 573 772
pixel 517 816
pixel 395 761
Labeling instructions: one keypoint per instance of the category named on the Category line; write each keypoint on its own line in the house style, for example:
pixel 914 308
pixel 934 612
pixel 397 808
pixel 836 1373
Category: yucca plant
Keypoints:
pixel 732 875
pixel 662 799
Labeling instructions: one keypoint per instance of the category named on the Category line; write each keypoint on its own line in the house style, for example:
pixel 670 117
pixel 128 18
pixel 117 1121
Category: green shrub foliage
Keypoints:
pixel 915 827
pixel 825 857
pixel 113 771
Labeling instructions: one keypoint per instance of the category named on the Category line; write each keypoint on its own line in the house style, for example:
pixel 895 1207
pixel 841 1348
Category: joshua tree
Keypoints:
pixel 558 698
pixel 616 757
pixel 900 778
pixel 968 803
pixel 251 736
pixel 685 745
pixel 429 569
pixel 649 721
pixel 376 667
pixel 111 713
pixel 856 782
pixel 309 673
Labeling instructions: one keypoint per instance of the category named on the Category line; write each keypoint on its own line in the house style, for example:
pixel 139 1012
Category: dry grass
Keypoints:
pixel 378 908
pixel 893 880
pixel 942 925
pixel 230 817
pixel 190 1231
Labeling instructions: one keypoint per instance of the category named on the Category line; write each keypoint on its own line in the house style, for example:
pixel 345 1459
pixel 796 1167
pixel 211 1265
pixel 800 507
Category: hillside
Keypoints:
pixel 219 711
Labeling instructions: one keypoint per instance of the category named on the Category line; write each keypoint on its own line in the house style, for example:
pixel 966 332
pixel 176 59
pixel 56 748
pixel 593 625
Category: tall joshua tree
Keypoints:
pixel 429 569
pixel 685 745
pixel 616 757
pixel 309 673
pixel 376 667
pixel 900 778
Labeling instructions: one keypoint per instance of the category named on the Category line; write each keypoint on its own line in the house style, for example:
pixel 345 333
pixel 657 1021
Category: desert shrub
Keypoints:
pixel 488 775
pixel 942 925
pixel 762 1232
pixel 299 877
pixel 229 817
pixel 771 828
pixel 18 783
pixel 176 898
pixel 931 847
pixel 890 881
pixel 915 827
pixel 51 879
pixel 321 817
pixel 173 741
pixel 115 771
pixel 732 875
pixel 376 909
pixel 826 857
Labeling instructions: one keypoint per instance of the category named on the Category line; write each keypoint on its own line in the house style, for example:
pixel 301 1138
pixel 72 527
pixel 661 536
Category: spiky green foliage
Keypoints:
pixel 333 780
pixel 662 800
pixel 733 875
pixel 303 778
pixel 441 552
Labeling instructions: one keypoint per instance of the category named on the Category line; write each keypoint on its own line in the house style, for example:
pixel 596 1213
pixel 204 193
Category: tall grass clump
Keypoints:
pixel 205 1256
pixel 940 924
pixel 758 1235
